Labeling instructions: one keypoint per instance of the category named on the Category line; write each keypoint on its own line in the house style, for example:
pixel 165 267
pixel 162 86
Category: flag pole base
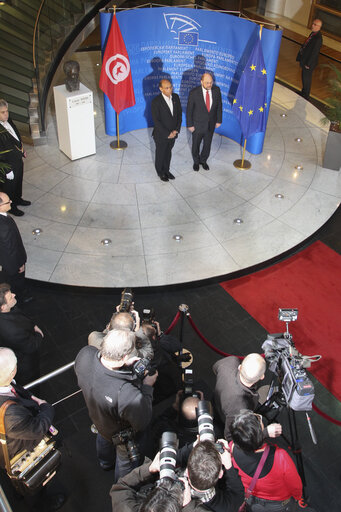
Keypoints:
pixel 119 145
pixel 242 166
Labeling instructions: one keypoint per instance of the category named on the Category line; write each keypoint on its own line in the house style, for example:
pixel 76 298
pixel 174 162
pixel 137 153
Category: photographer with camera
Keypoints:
pixel 124 318
pixel 279 485
pixel 236 389
pixel 210 474
pixel 212 478
pixel 119 403
pixel 180 418
pixel 169 379
pixel 154 486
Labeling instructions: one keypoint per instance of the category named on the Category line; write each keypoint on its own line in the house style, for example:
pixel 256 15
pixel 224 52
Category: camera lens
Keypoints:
pixel 205 421
pixel 168 451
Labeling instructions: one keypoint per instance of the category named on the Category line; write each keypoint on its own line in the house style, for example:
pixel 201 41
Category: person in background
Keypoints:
pixel 308 56
pixel 11 160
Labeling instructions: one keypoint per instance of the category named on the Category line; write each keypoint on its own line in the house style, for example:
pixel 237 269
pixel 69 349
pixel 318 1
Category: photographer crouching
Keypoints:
pixel 155 486
pixel 204 468
pixel 118 394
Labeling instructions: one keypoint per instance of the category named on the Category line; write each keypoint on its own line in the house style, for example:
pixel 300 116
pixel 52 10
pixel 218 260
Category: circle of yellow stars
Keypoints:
pixel 261 109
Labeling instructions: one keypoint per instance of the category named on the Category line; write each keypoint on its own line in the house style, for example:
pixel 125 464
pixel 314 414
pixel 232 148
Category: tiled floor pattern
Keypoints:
pixel 117 195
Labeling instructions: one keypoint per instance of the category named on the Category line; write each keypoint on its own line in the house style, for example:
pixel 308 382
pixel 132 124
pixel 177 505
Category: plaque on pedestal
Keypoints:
pixel 75 121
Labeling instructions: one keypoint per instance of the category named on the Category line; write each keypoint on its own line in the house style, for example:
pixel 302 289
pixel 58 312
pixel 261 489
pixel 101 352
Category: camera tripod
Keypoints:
pixel 276 400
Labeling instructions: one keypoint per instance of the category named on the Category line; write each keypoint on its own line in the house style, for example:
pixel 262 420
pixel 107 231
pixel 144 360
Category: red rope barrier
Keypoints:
pixel 325 416
pixel 173 324
pixel 224 354
pixel 202 337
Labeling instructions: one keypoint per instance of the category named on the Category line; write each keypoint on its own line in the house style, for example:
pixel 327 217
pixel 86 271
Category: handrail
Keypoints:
pixel 48 376
pixel 34 33
pixel 4 505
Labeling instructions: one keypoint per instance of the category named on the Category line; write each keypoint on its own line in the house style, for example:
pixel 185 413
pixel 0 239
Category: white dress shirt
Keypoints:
pixel 169 102
pixel 9 128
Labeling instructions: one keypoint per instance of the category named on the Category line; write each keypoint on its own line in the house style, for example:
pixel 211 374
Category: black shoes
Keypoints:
pixel 205 166
pixel 195 167
pixel 170 176
pixel 15 211
pixel 23 202
pixel 163 178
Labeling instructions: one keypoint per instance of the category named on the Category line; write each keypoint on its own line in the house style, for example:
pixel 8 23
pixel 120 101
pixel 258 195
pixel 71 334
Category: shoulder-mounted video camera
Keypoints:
pixel 289 365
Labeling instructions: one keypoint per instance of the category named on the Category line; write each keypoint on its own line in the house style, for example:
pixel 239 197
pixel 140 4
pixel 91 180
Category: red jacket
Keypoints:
pixel 282 482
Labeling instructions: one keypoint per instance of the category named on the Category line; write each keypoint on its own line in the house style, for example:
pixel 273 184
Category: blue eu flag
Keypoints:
pixel 189 38
pixel 249 104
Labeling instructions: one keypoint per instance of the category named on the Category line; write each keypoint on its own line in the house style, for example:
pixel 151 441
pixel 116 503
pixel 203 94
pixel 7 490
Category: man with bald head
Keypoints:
pixel 167 117
pixel 235 387
pixel 203 116
pixel 308 56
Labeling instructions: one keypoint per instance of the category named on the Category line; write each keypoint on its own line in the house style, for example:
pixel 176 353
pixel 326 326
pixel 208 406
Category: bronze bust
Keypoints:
pixel 71 69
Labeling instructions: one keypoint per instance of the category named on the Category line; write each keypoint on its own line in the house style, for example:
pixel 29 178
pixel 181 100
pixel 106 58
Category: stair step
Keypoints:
pixel 24 25
pixel 21 63
pixel 10 48
pixel 20 119
pixel 8 74
pixel 18 44
pixel 9 30
pixel 5 81
pixel 14 108
pixel 15 66
pixel 15 100
pixel 8 90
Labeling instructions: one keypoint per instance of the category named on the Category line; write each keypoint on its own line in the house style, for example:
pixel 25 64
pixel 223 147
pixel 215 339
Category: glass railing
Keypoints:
pixel 57 25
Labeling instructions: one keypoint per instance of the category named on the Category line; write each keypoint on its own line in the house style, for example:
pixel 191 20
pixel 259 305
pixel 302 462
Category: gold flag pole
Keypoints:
pixel 242 164
pixel 117 144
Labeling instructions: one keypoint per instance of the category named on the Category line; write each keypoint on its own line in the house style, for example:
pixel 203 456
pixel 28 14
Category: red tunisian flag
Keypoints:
pixel 115 80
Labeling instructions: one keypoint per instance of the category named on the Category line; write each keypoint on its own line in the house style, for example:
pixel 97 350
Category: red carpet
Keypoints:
pixel 311 282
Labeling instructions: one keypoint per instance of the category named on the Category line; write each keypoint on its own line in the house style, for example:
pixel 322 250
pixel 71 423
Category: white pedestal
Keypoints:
pixel 75 121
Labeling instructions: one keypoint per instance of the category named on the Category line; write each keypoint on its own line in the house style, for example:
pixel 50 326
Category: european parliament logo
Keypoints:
pixel 185 29
pixel 188 38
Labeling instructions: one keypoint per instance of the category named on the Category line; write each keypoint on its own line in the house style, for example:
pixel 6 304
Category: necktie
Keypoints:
pixel 208 101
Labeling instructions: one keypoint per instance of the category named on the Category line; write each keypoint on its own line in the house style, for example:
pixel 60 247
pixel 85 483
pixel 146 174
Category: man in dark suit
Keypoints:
pixel 11 159
pixel 167 116
pixel 204 114
pixel 19 333
pixel 12 251
pixel 308 56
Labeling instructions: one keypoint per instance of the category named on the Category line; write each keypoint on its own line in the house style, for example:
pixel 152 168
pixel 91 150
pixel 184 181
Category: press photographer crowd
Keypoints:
pixel 207 451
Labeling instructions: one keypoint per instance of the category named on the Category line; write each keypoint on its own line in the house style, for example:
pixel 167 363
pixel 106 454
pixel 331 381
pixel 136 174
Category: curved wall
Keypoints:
pixel 181 44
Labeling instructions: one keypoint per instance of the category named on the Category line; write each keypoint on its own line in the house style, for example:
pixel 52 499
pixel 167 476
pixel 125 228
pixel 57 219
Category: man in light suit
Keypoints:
pixel 308 56
pixel 204 114
pixel 11 159
pixel 12 251
pixel 167 116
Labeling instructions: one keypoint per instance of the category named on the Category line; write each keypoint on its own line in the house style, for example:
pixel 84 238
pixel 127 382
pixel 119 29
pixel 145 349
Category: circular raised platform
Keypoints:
pixel 228 219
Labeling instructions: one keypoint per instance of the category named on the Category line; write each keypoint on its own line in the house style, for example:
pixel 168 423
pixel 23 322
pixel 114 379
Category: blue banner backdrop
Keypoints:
pixel 181 44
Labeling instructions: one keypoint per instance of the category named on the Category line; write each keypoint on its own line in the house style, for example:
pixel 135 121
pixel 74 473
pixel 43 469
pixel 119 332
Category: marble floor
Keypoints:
pixel 117 195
